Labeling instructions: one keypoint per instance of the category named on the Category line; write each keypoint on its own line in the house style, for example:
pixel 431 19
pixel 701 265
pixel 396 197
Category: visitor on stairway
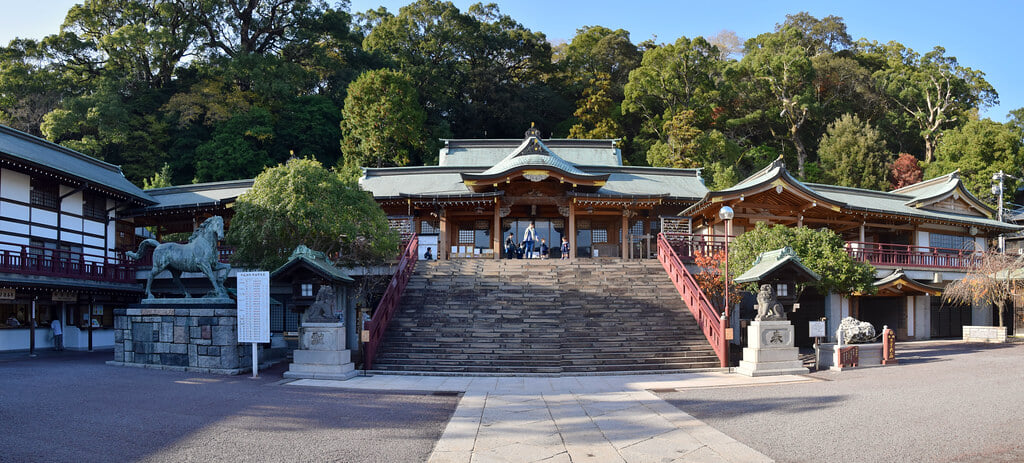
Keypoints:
pixel 529 236
pixel 565 248
pixel 543 249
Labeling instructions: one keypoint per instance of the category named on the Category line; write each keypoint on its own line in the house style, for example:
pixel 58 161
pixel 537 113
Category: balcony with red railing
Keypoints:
pixel 885 255
pixel 911 256
pixel 49 262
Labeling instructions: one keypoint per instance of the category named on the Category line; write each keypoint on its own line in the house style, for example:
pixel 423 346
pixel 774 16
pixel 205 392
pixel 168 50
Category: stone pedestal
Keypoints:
pixel 322 353
pixel 770 350
pixel 197 334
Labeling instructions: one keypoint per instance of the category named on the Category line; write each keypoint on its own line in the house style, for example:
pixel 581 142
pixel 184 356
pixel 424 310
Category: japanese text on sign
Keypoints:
pixel 254 307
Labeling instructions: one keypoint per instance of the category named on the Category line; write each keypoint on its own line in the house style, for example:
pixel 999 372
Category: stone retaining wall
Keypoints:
pixel 183 336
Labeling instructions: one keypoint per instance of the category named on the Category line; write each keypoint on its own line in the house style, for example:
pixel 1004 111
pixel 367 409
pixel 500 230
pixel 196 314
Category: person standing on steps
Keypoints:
pixel 543 249
pixel 565 248
pixel 529 236
pixel 510 246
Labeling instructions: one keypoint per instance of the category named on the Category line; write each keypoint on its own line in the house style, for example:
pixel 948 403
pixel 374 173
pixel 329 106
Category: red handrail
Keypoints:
pixel 43 261
pixel 713 326
pixel 909 255
pixel 386 309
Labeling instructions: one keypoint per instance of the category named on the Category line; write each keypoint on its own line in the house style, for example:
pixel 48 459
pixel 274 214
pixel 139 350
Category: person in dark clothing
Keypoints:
pixel 544 249
pixel 510 246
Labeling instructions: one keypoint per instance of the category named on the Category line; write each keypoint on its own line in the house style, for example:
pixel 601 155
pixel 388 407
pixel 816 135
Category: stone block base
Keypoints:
pixel 322 353
pixel 197 335
pixel 771 350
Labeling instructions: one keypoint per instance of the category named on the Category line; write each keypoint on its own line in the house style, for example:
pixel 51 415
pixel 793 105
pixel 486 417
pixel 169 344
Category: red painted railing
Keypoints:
pixel 388 304
pixel 687 245
pixel 908 255
pixel 713 326
pixel 35 260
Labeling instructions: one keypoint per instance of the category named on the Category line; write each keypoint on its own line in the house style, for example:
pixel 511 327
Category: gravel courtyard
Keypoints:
pixel 73 407
pixel 943 402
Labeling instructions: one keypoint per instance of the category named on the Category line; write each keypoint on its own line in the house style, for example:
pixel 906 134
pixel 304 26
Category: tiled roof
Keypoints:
pixel 771 261
pixel 196 195
pixel 42 153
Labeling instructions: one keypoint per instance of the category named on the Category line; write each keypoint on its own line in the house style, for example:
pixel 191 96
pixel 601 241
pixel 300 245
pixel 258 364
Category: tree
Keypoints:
pixel 852 153
pixel 597 111
pixel 993 280
pixel 673 78
pixel 979 149
pixel 301 202
pixel 777 69
pixel 239 148
pixel 709 277
pixel 819 36
pixel 161 179
pixel 906 171
pixel 932 89
pixel 479 73
pixel 821 250
pixel 728 43
pixel 382 122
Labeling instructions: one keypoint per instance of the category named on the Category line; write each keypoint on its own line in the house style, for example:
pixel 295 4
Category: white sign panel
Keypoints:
pixel 254 307
pixel 817 329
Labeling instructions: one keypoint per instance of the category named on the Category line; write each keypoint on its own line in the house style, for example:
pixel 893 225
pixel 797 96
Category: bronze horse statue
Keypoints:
pixel 198 255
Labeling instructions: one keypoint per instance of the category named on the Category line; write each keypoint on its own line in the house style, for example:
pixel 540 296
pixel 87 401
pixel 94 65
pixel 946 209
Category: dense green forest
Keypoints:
pixel 180 91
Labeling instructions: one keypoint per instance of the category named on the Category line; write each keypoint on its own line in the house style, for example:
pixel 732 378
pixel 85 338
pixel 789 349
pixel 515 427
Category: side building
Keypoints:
pixel 61 243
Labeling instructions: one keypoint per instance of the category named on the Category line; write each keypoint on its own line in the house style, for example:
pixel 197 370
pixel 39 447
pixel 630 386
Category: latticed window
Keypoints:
pixel 45 193
pixel 637 228
pixel 950 242
pixel 94 206
pixel 429 227
pixel 600 235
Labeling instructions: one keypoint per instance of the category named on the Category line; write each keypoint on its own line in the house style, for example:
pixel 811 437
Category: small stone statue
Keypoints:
pixel 768 308
pixel 322 310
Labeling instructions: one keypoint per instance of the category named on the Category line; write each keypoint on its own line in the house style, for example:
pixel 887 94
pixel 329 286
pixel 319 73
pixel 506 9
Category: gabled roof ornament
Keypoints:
pixel 532 132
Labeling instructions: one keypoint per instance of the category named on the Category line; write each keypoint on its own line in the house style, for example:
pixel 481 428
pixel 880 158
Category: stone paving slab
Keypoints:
pixel 573 418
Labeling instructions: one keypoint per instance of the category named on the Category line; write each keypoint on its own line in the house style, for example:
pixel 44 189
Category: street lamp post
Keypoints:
pixel 726 213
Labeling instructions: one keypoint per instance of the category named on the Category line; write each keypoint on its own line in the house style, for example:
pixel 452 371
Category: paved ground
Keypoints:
pixel 577 419
pixel 944 402
pixel 72 407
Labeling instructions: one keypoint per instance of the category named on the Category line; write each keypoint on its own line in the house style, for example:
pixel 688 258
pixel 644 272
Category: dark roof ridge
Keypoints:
pixel 200 186
pixel 690 172
pixel 929 182
pixel 887 194
pixel 63 149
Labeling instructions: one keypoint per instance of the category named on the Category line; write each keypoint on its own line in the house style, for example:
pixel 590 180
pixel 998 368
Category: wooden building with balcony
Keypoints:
pixel 918 238
pixel 61 243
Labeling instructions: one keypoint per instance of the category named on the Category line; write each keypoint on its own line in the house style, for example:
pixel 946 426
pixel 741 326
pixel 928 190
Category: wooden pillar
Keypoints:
pixel 572 230
pixel 91 300
pixel 496 234
pixel 442 239
pixel 862 232
pixel 623 234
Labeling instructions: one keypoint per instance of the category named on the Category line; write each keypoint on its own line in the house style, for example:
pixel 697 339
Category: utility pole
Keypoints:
pixel 998 191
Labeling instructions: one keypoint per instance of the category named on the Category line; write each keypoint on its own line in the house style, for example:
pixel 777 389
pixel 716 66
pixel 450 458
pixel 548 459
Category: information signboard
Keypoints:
pixel 254 307
pixel 817 329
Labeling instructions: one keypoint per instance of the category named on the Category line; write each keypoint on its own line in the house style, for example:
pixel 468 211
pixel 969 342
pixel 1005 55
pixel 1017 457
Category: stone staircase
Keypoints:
pixel 542 317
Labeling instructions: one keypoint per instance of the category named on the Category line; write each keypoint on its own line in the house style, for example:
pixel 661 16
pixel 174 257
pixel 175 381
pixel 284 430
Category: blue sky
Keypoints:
pixel 982 34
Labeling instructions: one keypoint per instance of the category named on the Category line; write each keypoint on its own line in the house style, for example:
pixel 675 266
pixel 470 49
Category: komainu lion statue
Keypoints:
pixel 322 310
pixel 768 308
